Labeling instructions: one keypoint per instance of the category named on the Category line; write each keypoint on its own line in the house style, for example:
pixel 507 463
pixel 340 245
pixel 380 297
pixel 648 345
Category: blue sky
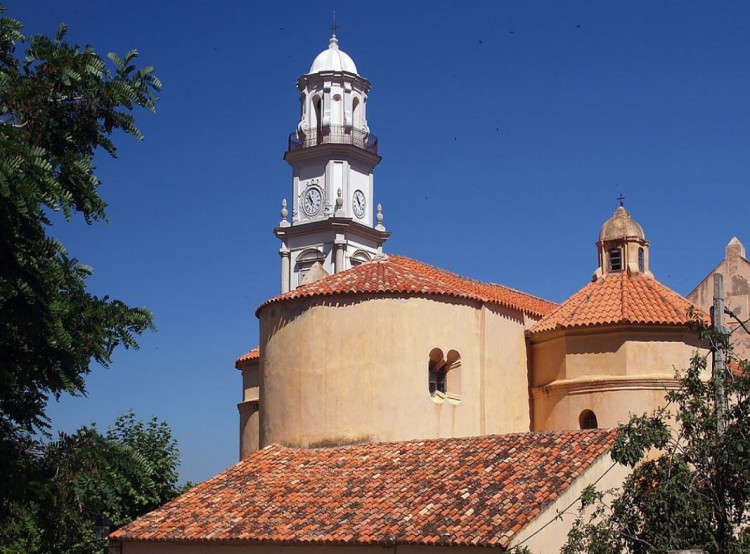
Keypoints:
pixel 507 131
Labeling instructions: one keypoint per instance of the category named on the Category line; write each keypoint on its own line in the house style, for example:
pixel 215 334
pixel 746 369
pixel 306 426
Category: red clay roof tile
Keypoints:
pixel 250 356
pixel 475 490
pixel 402 275
pixel 619 298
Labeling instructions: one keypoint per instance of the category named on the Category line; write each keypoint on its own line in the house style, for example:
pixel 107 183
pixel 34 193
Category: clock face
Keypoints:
pixel 358 203
pixel 312 201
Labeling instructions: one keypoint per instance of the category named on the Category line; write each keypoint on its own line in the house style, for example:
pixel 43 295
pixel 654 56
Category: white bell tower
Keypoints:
pixel 333 155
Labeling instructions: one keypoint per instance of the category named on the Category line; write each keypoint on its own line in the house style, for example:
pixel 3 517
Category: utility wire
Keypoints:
pixel 742 323
pixel 568 507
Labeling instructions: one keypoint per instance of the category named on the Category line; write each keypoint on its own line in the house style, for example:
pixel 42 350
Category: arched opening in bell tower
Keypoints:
pixel 641 259
pixel 318 123
pixel 356 116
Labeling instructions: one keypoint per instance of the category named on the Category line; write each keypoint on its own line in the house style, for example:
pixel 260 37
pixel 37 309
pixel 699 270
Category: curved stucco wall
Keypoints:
pixel 249 427
pixel 611 371
pixel 338 370
pixel 249 408
pixel 612 404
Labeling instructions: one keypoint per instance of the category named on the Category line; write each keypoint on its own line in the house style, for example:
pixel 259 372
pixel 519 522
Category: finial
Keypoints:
pixel 379 217
pixel 621 198
pixel 339 204
pixel 284 214
pixel 333 43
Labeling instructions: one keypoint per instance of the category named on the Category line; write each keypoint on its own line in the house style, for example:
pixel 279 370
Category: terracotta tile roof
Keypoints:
pixel 401 275
pixel 619 298
pixel 468 491
pixel 736 368
pixel 251 356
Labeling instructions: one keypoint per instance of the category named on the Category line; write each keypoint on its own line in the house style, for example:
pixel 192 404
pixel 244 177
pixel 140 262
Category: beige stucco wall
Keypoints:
pixel 613 371
pixel 547 533
pixel 251 380
pixel 249 427
pixel 249 408
pixel 736 271
pixel 612 406
pixel 504 397
pixel 340 370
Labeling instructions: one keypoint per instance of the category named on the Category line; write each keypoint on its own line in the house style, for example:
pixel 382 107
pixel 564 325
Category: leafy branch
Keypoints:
pixel 689 486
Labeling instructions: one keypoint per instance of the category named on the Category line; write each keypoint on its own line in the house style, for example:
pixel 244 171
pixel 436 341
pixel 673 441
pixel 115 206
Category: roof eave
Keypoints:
pixel 600 328
pixel 416 294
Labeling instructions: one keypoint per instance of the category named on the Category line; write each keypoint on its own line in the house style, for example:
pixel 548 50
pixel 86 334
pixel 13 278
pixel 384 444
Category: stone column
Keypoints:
pixel 338 262
pixel 285 268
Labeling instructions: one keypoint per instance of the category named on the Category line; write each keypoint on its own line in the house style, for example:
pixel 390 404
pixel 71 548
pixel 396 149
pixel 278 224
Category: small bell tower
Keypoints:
pixel 333 156
pixel 622 246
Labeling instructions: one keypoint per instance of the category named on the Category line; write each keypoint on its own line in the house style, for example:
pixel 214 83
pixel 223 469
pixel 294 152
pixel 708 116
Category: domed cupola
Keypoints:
pixel 622 246
pixel 333 59
pixel 621 226
pixel 333 101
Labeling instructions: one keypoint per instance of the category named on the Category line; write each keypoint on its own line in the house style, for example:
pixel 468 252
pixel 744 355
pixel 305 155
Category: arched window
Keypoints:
pixel 587 420
pixel 305 261
pixel 615 259
pixel 318 126
pixel 356 116
pixel 359 257
pixel 641 259
pixel 436 372
pixel 453 375
pixel 444 375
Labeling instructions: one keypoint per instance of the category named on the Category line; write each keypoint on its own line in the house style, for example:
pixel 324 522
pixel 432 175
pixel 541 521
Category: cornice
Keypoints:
pixel 610 329
pixel 249 406
pixel 343 224
pixel 330 75
pixel 592 384
pixel 332 151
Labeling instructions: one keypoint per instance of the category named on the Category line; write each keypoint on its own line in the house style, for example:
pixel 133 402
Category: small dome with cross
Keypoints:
pixel 622 246
pixel 333 59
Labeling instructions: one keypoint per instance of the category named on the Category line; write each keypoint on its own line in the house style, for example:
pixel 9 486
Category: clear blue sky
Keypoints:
pixel 507 131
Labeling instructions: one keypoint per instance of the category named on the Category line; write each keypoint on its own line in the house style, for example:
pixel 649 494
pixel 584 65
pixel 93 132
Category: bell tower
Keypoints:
pixel 333 156
pixel 622 246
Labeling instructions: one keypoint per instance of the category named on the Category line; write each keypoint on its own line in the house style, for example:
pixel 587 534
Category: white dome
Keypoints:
pixel 333 59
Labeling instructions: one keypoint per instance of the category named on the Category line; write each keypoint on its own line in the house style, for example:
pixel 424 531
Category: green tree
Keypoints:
pixel 59 105
pixel 122 474
pixel 690 486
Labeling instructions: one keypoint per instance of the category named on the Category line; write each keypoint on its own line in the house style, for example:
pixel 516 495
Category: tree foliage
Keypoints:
pixel 690 486
pixel 59 104
pixel 130 470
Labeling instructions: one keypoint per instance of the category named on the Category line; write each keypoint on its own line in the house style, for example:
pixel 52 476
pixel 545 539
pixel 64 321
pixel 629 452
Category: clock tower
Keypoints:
pixel 334 223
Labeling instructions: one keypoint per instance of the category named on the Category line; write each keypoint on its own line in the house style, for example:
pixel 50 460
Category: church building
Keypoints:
pixel 391 404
